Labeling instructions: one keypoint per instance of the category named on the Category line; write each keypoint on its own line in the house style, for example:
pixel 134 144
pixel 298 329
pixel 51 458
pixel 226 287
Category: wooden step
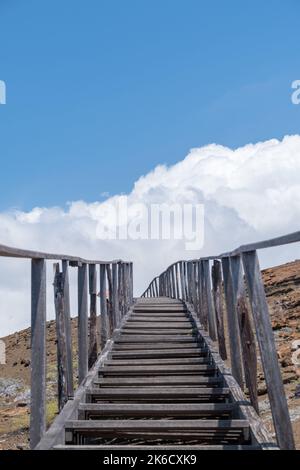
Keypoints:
pixel 171 332
pixel 205 429
pixel 160 393
pixel 135 318
pixel 153 346
pixel 155 381
pixel 157 370
pixel 159 353
pixel 124 339
pixel 159 448
pixel 157 325
pixel 158 362
pixel 90 410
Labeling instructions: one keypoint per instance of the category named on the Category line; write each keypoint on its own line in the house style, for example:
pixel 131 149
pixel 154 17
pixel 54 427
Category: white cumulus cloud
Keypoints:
pixel 249 193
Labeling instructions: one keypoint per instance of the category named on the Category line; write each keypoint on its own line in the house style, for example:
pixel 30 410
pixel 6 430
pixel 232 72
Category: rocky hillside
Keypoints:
pixel 282 285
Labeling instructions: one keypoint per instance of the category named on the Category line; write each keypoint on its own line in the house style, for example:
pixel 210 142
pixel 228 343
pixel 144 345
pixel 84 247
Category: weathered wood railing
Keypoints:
pixel 115 288
pixel 237 274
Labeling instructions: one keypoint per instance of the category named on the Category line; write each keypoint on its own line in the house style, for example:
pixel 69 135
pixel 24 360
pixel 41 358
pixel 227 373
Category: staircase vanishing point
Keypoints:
pixel 161 384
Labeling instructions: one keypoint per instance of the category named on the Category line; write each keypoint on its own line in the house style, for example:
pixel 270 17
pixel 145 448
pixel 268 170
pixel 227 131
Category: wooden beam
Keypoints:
pixel 115 302
pixel 93 337
pixel 248 343
pixel 203 299
pixel 82 323
pixel 38 351
pixel 103 307
pixel 218 303
pixel 110 295
pixel 233 326
pixel 209 302
pixel 61 338
pixel 68 328
pixel 265 337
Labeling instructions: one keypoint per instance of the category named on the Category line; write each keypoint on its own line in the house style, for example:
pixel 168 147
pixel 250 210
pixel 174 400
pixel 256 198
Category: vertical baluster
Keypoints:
pixel 110 301
pixel 82 322
pixel 218 303
pixel 103 306
pixel 203 297
pixel 248 344
pixel 233 327
pixel 68 328
pixel 61 338
pixel 182 280
pixel 93 344
pixel 38 351
pixel 209 301
pixel 265 337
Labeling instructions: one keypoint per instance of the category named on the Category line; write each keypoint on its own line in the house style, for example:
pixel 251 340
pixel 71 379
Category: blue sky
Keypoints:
pixel 99 92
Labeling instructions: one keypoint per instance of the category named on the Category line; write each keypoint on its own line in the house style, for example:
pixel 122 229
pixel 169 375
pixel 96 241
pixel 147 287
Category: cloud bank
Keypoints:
pixel 249 193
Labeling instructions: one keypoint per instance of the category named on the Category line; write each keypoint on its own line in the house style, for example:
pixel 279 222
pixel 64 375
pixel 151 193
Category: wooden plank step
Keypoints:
pixel 149 319
pixel 173 410
pixel 161 313
pixel 124 339
pixel 153 346
pixel 184 427
pixel 158 316
pixel 171 332
pixel 159 424
pixel 157 325
pixel 165 361
pixel 155 381
pixel 167 392
pixel 158 353
pixel 182 447
pixel 157 370
pixel 159 308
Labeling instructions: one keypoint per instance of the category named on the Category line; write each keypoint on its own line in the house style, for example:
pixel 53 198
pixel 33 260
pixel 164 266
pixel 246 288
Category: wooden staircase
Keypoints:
pixel 161 385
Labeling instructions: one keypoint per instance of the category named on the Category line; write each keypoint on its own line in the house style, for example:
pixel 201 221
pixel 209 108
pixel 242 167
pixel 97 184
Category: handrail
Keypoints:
pixel 115 288
pixel 235 276
pixel 12 252
pixel 293 237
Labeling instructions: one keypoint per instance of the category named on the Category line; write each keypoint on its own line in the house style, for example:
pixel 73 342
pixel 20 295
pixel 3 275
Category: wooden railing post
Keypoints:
pixel 121 288
pixel 248 343
pixel 110 295
pixel 82 322
pixel 38 351
pixel 218 303
pixel 177 295
pixel 131 283
pixel 61 344
pixel 172 281
pixel 93 344
pixel 68 328
pixel 185 277
pixel 203 298
pixel 193 285
pixel 103 307
pixel 209 301
pixel 156 287
pixel 116 313
pixel 181 280
pixel 233 326
pixel 265 338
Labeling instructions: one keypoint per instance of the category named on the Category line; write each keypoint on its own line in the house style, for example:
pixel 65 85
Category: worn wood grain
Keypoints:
pixel 233 326
pixel 38 351
pixel 265 337
pixel 60 338
pixel 248 343
pixel 82 322
pixel 218 304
